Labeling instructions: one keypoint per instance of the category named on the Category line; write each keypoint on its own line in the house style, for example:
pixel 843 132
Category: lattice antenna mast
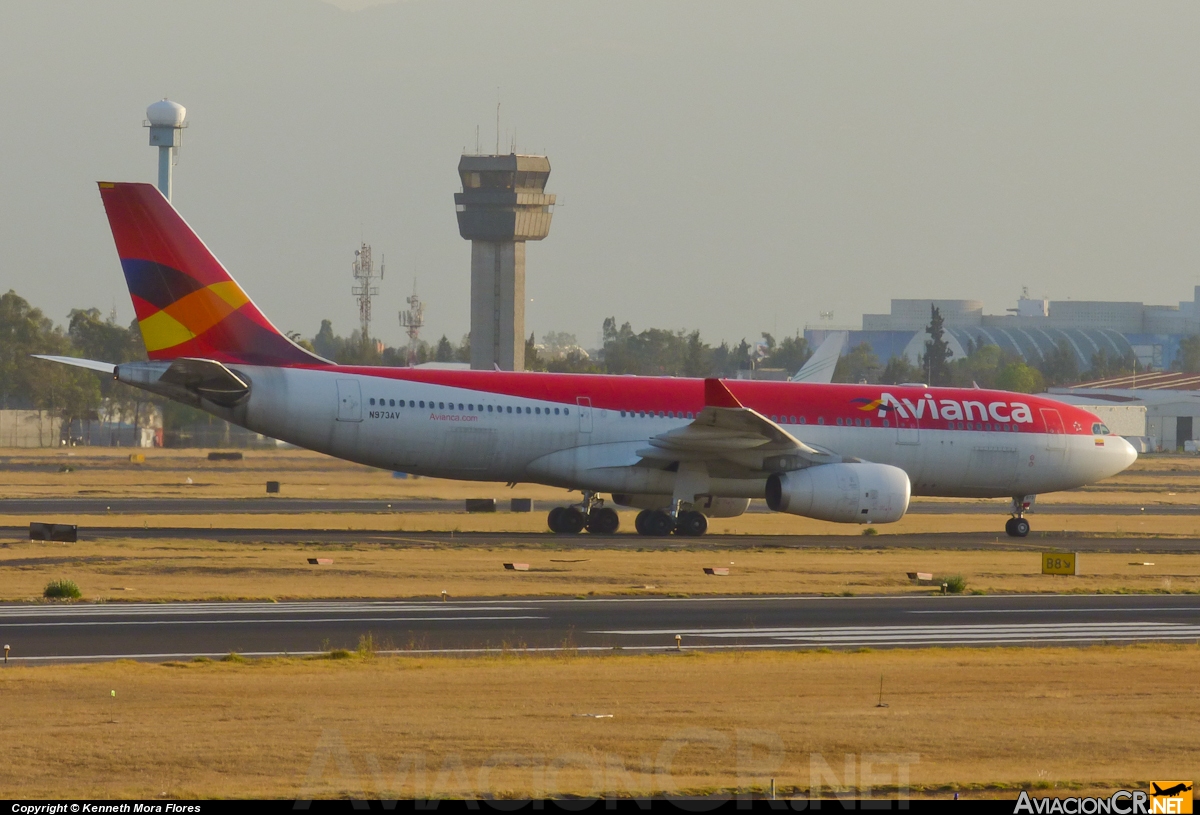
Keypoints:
pixel 413 320
pixel 364 276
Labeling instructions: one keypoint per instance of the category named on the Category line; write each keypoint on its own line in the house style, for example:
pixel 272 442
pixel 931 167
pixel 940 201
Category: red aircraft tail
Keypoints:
pixel 187 305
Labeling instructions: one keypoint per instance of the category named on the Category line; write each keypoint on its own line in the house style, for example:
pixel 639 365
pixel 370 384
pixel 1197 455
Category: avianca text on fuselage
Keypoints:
pixel 950 409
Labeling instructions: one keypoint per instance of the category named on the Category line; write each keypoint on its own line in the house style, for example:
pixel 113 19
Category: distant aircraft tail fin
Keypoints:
pixel 187 305
pixel 821 364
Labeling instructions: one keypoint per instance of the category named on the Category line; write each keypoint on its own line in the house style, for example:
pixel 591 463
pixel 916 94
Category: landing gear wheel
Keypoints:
pixel 639 523
pixel 572 521
pixel 603 521
pixel 1017 527
pixel 691 523
pixel 566 521
pixel 659 524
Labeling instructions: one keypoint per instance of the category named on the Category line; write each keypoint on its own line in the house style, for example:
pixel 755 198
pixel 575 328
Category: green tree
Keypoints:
pixel 981 365
pixel 444 351
pixel 1020 378
pixel 1059 365
pixel 325 343
pixel 25 382
pixel 1188 359
pixel 1105 365
pixel 860 365
pixel 937 351
pixel 533 360
pixel 790 353
pixel 463 352
pixel 899 370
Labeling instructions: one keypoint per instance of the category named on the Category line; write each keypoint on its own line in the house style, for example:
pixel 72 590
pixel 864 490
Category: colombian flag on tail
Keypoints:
pixel 187 305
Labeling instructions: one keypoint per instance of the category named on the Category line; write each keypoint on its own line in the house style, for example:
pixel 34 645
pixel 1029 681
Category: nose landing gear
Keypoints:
pixel 1017 526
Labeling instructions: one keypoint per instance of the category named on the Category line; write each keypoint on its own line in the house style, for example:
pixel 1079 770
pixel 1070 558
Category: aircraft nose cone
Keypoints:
pixel 1127 454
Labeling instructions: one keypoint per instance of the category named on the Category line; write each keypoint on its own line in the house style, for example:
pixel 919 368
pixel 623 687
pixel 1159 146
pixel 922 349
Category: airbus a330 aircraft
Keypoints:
pixel 682 450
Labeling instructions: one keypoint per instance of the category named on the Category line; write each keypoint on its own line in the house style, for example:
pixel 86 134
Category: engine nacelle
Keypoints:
pixel 707 505
pixel 863 493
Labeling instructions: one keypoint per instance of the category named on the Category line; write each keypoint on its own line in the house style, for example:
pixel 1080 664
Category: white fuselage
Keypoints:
pixel 471 434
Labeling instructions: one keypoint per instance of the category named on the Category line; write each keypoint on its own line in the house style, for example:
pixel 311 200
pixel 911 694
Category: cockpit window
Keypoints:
pixel 1100 429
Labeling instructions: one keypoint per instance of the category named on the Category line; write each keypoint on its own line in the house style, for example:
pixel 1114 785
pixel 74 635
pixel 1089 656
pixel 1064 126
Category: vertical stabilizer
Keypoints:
pixel 187 305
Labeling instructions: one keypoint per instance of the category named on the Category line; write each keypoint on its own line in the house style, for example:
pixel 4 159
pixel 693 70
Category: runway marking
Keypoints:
pixel 300 620
pixel 938 635
pixel 1052 610
pixel 242 608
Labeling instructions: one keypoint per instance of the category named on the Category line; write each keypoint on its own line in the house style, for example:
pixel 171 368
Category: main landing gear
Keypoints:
pixel 589 514
pixel 659 523
pixel 1017 526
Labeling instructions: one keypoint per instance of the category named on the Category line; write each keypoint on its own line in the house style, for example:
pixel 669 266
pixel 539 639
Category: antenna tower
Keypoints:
pixel 364 276
pixel 413 320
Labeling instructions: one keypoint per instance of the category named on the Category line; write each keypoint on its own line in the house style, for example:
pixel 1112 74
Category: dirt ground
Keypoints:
pixel 98 471
pixel 1054 718
pixel 198 570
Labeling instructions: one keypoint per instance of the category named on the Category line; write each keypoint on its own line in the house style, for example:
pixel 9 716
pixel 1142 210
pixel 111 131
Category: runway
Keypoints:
pixel 279 505
pixel 960 541
pixel 964 541
pixel 42 633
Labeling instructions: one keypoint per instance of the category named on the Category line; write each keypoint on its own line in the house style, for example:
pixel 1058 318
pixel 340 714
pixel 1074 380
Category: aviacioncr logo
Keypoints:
pixel 949 409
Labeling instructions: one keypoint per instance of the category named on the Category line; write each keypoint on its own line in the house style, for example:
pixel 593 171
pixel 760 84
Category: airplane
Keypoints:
pixel 680 450
pixel 1170 792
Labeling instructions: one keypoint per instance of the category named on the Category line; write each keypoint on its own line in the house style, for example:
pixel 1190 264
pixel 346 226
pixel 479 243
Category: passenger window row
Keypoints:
pixel 470 407
pixel 642 414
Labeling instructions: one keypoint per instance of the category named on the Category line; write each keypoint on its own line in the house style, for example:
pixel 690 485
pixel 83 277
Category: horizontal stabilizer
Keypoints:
pixel 91 364
pixel 207 378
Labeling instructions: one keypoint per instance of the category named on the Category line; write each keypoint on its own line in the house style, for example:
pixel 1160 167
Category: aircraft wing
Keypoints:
pixel 727 432
pixel 820 365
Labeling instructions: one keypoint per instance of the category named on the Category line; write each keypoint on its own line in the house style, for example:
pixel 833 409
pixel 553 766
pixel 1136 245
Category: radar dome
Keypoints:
pixel 166 114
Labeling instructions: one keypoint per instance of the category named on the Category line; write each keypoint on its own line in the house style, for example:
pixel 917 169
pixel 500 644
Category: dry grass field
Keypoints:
pixel 414 568
pixel 981 720
pixel 98 471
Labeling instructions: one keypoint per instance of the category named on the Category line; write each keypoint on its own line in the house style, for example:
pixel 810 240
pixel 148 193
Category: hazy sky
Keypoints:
pixel 736 167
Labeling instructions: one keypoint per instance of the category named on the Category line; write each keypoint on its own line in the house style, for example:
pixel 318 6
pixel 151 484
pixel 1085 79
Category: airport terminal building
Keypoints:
pixel 1033 328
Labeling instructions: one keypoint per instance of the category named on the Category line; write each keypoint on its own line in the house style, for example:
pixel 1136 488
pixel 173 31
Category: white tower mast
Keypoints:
pixel 364 276
pixel 413 320
pixel 166 120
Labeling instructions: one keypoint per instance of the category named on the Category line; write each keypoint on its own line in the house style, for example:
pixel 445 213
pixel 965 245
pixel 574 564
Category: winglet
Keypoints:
pixel 717 395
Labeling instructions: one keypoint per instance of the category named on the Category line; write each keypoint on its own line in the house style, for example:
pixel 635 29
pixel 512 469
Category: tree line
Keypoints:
pixel 71 393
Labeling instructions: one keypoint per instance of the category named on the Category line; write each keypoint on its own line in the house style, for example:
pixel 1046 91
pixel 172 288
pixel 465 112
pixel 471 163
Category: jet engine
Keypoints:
pixel 861 493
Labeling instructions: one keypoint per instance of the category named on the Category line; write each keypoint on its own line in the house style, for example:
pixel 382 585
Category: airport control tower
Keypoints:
pixel 503 203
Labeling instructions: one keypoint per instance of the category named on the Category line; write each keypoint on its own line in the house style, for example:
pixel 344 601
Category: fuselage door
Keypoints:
pixel 1055 434
pixel 349 401
pixel 585 414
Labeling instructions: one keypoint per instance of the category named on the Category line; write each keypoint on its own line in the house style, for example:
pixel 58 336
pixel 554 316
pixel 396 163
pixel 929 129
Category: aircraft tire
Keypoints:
pixel 639 523
pixel 1020 527
pixel 1008 527
pixel 603 521
pixel 692 524
pixel 659 524
pixel 554 519
pixel 572 521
